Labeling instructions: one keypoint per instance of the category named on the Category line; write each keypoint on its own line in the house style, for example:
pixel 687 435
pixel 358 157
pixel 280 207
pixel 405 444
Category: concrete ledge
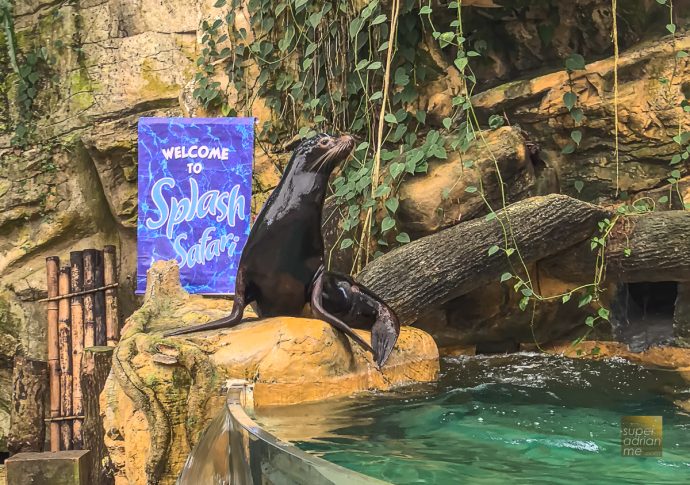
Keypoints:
pixel 49 468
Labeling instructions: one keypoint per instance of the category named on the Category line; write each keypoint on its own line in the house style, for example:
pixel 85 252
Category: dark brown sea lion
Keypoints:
pixel 284 251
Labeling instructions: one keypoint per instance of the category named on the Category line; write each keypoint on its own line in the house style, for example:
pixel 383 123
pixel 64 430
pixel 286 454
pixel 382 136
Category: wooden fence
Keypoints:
pixel 82 313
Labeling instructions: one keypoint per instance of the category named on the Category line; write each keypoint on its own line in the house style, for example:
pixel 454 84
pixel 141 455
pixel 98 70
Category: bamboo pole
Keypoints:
pixel 52 264
pixel 99 302
pixel 112 324
pixel 65 356
pixel 77 308
pixel 90 260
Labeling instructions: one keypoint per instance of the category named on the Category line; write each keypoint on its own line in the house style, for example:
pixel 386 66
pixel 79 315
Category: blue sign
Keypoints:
pixel 195 189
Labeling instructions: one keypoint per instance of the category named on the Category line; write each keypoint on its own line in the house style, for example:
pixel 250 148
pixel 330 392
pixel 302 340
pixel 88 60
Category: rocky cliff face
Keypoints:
pixel 68 125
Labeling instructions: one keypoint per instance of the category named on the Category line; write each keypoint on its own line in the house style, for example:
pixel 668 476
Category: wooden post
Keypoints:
pixel 52 264
pixel 99 302
pixel 65 342
pixel 97 363
pixel 90 260
pixel 77 308
pixel 112 324
pixel 27 413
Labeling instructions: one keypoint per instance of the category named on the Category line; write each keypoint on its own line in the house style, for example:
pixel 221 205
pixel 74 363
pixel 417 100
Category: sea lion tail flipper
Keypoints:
pixel 322 313
pixel 384 333
pixel 231 320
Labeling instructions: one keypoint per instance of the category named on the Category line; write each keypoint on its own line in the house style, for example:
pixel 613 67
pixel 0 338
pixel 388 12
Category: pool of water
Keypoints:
pixel 523 418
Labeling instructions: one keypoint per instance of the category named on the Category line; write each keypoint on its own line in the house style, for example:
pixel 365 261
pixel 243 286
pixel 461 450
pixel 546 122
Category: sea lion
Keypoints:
pixel 284 250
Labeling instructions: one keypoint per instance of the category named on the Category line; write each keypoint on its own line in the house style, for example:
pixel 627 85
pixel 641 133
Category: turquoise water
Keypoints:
pixel 520 418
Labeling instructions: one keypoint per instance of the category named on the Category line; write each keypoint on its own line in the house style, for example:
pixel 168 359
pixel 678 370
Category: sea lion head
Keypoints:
pixel 322 152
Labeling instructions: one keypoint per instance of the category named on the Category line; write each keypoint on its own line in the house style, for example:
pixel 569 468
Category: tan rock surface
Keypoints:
pixel 162 391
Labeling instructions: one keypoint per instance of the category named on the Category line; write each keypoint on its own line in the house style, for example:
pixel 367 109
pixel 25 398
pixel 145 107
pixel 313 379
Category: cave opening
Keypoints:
pixel 644 313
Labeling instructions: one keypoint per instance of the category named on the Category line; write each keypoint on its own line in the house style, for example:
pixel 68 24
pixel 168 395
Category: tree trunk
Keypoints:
pixel 29 391
pixel 432 270
pixel 97 362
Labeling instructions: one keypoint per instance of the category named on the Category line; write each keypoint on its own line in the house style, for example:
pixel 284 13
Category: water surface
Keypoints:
pixel 522 418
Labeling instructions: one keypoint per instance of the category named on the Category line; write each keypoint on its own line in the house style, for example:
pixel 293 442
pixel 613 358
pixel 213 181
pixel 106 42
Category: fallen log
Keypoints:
pixel 649 247
pixel 435 269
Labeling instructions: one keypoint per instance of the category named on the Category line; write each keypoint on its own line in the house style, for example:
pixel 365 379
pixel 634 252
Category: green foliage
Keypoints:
pixel 322 65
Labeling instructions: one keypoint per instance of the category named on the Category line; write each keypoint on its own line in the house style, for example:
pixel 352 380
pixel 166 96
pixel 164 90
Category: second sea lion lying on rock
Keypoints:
pixel 281 267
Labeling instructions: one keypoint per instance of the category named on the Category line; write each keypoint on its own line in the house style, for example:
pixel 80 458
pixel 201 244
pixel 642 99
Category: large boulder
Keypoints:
pixel 163 391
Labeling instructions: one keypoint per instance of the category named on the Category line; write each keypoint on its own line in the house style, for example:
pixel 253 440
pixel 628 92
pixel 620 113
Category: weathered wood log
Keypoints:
pixel 90 261
pixel 112 324
pixel 99 302
pixel 658 244
pixel 435 269
pixel 77 310
pixel 97 362
pixel 52 265
pixel 29 386
pixel 65 344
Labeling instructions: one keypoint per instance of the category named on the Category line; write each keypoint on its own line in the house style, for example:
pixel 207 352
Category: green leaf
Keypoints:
pixel 496 121
pixel 568 149
pixel 584 301
pixel 403 238
pixel 446 123
pixel 566 298
pixel 676 159
pixel 576 135
pixel 375 65
pixel 219 3
pixel 421 116
pixel 579 185
pixel 523 303
pixel 375 96
pixel 681 54
pixel 379 20
pixel 569 99
pixel 490 216
pixel 396 169
pixel 346 243
pixel 425 10
pixel 471 189
pixel 675 174
pixel 527 292
pixel 493 249
pixel 575 62
pixel 671 28
pixel 392 204
pixel 390 118
pixel 663 200
pixel 603 313
pixel 577 114
pixel 589 321
pixel 506 277
pixel 460 63
pixel 387 223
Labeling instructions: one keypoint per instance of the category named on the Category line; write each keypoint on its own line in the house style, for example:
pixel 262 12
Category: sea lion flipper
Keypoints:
pixel 384 333
pixel 235 317
pixel 322 313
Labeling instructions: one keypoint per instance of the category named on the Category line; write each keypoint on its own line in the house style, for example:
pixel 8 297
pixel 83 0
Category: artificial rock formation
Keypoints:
pixel 74 184
pixel 162 391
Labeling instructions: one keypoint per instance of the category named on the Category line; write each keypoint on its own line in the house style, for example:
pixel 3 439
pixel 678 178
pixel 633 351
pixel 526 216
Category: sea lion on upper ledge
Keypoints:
pixel 284 251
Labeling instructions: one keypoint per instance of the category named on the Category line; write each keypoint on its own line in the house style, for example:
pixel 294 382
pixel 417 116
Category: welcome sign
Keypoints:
pixel 195 181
